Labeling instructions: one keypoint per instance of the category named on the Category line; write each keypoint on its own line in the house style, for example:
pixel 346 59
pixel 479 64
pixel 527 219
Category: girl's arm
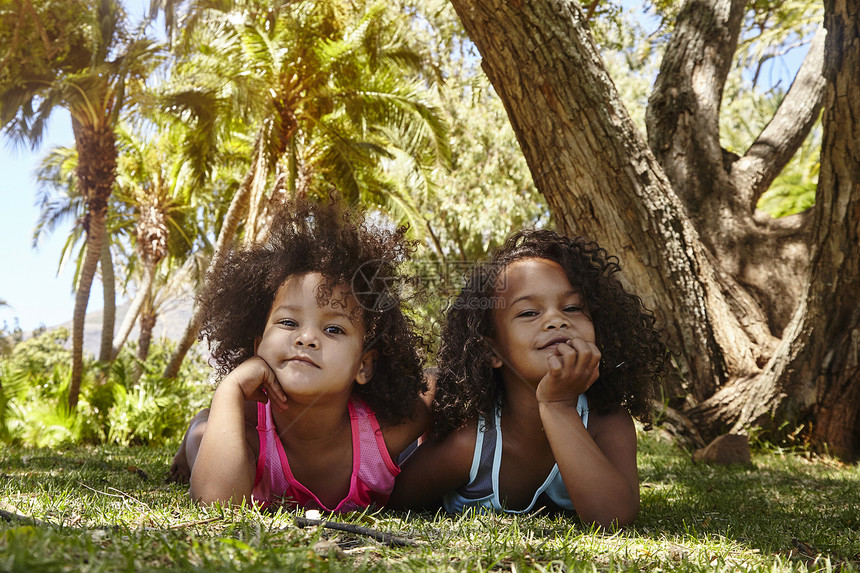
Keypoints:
pixel 226 463
pixel 598 464
pixel 434 469
pixel 599 472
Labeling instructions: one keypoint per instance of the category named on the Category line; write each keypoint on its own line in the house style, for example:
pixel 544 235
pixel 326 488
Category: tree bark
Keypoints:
pixel 835 269
pixel 144 290
pixel 753 173
pixel 95 235
pixel 148 320
pixel 96 173
pixel 683 111
pixel 767 257
pixel 815 376
pixel 109 312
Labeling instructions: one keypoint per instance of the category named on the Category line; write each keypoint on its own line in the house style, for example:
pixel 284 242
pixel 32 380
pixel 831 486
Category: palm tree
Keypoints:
pixel 74 55
pixel 151 183
pixel 327 90
pixel 60 202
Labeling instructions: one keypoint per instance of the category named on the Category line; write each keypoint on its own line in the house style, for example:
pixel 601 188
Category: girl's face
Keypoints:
pixel 537 309
pixel 315 350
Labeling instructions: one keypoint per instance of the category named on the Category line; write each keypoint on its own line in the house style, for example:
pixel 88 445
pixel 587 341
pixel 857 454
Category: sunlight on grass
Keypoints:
pixel 109 509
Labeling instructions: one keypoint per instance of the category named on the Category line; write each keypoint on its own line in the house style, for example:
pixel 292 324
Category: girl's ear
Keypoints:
pixel 365 367
pixel 495 359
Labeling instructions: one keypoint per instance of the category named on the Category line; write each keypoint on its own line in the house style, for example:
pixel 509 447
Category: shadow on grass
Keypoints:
pixel 49 470
pixel 781 505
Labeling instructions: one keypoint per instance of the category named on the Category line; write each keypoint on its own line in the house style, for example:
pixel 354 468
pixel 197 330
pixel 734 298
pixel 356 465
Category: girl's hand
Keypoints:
pixel 571 371
pixel 257 381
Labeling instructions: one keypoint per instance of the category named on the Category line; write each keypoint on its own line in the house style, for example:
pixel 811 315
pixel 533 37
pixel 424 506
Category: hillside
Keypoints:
pixel 171 324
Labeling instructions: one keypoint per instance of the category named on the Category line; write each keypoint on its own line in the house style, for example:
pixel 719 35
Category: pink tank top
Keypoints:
pixel 373 471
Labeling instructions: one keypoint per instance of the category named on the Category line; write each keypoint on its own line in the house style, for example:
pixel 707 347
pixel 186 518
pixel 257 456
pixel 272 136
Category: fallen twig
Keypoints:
pixel 381 536
pixel 191 523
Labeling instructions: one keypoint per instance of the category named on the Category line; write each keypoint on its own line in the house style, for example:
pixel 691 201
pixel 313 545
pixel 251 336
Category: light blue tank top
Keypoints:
pixel 482 491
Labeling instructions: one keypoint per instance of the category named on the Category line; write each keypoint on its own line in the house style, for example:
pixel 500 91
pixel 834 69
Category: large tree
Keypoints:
pixel 78 56
pixel 761 313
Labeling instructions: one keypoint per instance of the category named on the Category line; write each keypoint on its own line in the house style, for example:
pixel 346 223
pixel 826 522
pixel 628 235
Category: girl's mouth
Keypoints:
pixel 303 360
pixel 555 341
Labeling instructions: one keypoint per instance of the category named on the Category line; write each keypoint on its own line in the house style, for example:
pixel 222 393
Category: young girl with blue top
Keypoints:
pixel 544 359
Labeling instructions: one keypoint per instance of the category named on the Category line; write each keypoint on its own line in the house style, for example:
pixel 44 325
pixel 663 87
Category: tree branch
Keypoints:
pixel 684 108
pixel 773 149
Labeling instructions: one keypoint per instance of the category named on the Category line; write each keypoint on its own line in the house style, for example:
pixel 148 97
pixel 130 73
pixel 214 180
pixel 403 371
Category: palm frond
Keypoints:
pixel 57 197
pixel 419 125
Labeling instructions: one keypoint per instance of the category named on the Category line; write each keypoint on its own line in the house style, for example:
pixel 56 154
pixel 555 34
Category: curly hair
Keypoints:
pixel 633 352
pixel 307 237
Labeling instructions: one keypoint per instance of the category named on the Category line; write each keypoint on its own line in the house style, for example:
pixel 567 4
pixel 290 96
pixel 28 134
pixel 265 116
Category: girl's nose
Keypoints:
pixel 555 319
pixel 307 338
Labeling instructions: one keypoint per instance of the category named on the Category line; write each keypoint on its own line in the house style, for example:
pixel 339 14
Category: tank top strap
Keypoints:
pixel 263 418
pixel 582 409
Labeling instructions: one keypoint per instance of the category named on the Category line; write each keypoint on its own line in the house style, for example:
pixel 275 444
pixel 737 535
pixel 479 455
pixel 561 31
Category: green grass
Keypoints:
pixel 109 509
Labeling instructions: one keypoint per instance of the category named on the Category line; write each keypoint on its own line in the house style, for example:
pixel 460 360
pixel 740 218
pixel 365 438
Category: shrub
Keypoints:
pixel 124 402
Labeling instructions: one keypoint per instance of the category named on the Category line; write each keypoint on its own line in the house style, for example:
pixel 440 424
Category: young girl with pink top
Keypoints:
pixel 322 376
pixel 544 358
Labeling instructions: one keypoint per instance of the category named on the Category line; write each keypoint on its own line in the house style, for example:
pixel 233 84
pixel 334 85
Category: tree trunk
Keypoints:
pixel 148 319
pixel 281 137
pixel 835 269
pixel 238 208
pixel 719 190
pixel 724 294
pixel 144 290
pixel 109 312
pixel 95 235
pixel 815 377
pixel 96 172
pixel 601 180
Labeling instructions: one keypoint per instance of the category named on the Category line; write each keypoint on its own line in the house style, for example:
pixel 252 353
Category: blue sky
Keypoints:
pixel 31 283
pixel 29 280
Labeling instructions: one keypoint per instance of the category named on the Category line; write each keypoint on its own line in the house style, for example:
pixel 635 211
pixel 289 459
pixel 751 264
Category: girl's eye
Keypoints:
pixel 288 322
pixel 527 314
pixel 334 330
pixel 573 308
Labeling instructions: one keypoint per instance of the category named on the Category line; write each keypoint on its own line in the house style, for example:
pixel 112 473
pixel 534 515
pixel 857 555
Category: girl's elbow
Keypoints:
pixel 610 520
pixel 622 518
pixel 206 496
pixel 613 517
pixel 401 499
